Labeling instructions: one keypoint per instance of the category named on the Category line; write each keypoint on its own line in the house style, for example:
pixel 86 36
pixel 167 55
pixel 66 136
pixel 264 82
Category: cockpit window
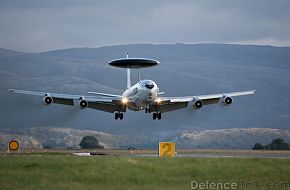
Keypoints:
pixel 150 86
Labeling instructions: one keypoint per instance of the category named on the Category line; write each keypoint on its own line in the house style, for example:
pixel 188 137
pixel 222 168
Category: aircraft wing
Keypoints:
pixel 166 104
pixel 107 104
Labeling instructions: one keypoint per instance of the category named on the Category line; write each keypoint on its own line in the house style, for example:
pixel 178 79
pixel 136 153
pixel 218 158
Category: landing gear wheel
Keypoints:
pixel 147 110
pixel 116 115
pixel 159 116
pixel 154 116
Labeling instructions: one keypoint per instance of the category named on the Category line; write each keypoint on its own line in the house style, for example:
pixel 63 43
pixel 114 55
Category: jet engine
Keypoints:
pixel 227 101
pixel 83 103
pixel 198 104
pixel 47 99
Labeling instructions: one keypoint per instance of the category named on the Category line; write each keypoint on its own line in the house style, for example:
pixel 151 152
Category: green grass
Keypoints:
pixel 46 171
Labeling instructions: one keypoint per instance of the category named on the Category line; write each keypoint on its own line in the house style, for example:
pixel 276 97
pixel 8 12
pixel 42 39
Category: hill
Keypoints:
pixel 54 137
pixel 236 138
pixel 197 69
pixel 204 139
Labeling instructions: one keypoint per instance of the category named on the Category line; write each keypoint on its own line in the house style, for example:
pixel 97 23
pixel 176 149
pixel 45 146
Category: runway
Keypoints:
pixel 193 153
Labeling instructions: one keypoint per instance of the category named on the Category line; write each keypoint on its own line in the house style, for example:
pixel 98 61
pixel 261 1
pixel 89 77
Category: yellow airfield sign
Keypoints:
pixel 13 145
pixel 167 149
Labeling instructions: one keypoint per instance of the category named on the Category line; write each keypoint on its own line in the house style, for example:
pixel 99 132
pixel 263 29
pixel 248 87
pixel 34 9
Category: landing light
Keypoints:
pixel 124 100
pixel 158 100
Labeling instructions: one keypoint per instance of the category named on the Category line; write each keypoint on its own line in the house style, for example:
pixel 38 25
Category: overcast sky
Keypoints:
pixel 41 25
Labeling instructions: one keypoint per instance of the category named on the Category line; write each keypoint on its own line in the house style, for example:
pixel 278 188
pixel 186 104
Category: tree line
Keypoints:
pixel 276 144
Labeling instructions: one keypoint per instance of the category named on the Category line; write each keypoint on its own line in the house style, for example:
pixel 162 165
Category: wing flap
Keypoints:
pixel 211 101
pixel 105 95
pixel 168 106
pixel 172 106
pixel 64 101
pixel 107 106
pixel 103 106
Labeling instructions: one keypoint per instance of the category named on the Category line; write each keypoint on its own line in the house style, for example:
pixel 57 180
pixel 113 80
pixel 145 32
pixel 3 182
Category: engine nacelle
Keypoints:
pixel 83 103
pixel 227 101
pixel 47 99
pixel 198 104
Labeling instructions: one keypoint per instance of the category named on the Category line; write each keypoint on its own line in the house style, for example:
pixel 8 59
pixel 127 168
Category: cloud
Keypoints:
pixel 36 25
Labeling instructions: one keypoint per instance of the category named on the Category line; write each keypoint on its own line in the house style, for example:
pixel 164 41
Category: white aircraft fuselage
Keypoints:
pixel 142 94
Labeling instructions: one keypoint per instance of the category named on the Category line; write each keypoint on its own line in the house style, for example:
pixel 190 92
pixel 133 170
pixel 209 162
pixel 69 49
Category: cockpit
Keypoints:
pixel 148 84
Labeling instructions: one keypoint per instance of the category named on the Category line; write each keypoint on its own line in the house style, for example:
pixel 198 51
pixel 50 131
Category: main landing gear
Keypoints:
pixel 119 115
pixel 147 110
pixel 157 115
